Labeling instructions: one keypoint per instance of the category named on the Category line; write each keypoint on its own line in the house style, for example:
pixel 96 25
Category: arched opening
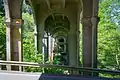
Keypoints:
pixel 57 28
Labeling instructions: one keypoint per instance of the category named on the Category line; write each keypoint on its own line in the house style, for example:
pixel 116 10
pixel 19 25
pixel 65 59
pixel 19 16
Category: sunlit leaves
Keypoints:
pixel 108 36
pixel 2 38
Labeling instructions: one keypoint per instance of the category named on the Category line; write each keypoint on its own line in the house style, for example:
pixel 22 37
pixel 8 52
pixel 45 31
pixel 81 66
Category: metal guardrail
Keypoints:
pixel 29 64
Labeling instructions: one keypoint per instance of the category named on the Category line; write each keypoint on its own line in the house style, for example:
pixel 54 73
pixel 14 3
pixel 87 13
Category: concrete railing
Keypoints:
pixel 29 64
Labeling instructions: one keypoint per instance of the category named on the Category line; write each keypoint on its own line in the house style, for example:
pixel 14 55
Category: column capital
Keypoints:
pixel 17 22
pixel 95 19
pixel 86 21
pixel 8 21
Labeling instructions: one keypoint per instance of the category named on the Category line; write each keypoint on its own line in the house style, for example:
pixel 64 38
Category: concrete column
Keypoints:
pixel 8 44
pixel 40 40
pixel 95 20
pixel 94 41
pixel 16 42
pixel 13 32
pixel 72 50
pixel 87 43
pixel 8 32
pixel 45 46
pixel 13 43
pixel 35 37
pixel 49 47
pixel 39 50
pixel 72 47
pixel 90 42
pixel 40 36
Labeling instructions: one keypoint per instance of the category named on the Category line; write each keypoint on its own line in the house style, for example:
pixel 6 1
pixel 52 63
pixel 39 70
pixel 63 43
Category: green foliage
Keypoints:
pixel 2 38
pixel 26 8
pixel 54 70
pixel 108 36
pixel 2 13
pixel 108 39
pixel 29 54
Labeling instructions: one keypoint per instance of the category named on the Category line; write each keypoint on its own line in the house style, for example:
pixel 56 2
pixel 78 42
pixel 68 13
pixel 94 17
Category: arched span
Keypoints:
pixel 57 21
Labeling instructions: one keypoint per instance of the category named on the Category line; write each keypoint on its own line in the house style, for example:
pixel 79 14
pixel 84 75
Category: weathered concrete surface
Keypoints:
pixel 13 19
pixel 70 9
pixel 39 76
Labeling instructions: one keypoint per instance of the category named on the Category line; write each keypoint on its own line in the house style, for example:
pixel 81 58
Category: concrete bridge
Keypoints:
pixel 57 31
pixel 56 18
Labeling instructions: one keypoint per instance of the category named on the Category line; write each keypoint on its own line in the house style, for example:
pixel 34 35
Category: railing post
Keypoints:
pixel 0 65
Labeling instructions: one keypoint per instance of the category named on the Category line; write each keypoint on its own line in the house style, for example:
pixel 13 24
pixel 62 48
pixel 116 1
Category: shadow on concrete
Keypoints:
pixel 70 77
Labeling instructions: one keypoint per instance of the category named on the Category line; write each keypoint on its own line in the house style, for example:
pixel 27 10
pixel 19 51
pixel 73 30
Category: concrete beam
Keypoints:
pixel 87 8
pixel 63 2
pixel 48 4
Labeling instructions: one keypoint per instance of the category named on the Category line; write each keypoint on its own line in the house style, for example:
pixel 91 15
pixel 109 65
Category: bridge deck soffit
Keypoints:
pixel 55 3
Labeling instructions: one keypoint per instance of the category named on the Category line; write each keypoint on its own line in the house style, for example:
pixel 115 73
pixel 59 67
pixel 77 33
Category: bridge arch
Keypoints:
pixel 56 22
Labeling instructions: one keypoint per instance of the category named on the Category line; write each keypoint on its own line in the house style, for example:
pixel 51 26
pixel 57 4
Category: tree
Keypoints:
pixel 108 35
pixel 2 38
pixel 29 54
pixel 2 13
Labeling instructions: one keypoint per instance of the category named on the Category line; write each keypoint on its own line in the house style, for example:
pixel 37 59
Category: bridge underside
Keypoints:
pixel 59 20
